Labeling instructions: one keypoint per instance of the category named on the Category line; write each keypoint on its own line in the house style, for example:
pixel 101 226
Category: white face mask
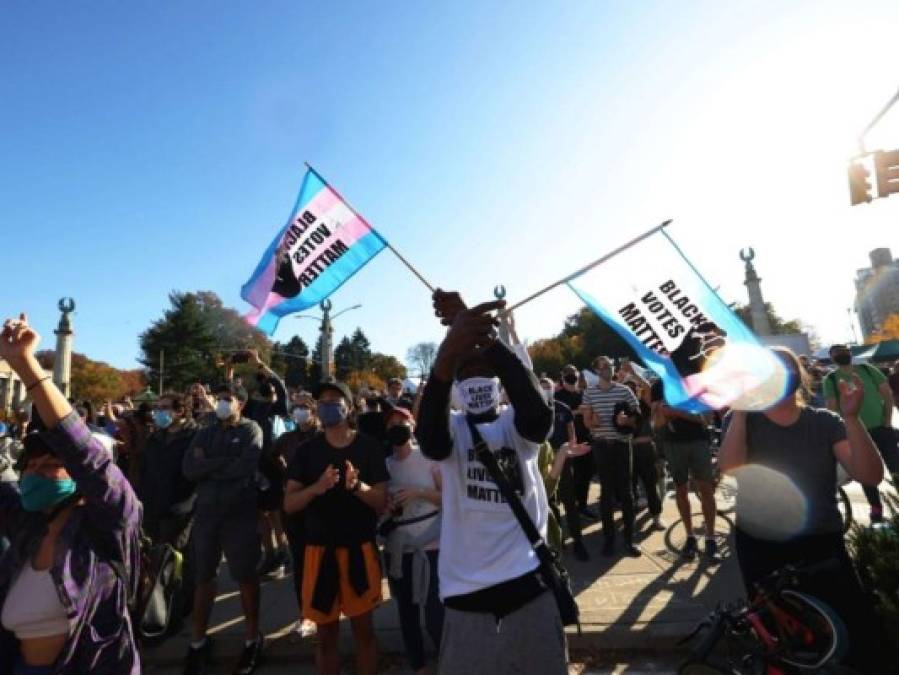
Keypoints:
pixel 301 415
pixel 548 394
pixel 479 394
pixel 224 409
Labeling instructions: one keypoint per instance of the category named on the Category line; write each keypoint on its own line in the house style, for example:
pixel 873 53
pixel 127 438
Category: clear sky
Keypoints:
pixel 147 147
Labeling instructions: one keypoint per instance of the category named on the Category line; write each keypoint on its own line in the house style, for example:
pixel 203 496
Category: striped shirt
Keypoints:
pixel 602 402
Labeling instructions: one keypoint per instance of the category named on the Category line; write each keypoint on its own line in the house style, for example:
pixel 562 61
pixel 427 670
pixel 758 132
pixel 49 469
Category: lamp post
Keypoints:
pixel 327 331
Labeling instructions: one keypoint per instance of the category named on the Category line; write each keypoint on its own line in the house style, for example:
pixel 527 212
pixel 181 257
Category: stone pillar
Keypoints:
pixel 62 365
pixel 327 355
pixel 757 313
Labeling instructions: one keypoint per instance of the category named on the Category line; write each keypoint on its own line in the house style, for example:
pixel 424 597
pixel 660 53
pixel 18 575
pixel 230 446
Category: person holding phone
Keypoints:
pixel 338 481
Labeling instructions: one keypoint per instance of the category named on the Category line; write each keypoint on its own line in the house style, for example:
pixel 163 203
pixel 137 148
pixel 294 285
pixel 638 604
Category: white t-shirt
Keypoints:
pixel 415 471
pixel 481 543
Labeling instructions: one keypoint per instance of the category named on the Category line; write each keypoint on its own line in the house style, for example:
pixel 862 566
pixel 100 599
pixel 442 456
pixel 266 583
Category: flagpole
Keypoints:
pixel 386 243
pixel 623 247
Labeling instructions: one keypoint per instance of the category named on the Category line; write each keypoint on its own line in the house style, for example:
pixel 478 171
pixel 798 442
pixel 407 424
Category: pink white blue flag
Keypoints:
pixel 707 358
pixel 322 245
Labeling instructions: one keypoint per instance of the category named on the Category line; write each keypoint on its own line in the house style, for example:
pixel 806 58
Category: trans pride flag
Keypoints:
pixel 681 329
pixel 322 245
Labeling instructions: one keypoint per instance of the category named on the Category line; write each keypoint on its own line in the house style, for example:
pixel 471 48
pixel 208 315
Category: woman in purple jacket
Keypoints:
pixel 74 529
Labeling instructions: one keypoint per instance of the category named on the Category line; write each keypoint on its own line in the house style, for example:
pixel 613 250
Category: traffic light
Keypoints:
pixel 859 187
pixel 886 165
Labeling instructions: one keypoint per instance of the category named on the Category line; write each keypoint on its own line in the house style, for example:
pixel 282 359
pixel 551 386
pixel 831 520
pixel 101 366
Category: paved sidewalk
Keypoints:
pixel 641 606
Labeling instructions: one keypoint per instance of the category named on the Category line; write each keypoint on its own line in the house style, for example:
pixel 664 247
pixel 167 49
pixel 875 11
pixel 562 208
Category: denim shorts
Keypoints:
pixel 689 459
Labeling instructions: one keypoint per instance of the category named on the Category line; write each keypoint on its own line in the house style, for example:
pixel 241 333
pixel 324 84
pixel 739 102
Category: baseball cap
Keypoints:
pixel 339 387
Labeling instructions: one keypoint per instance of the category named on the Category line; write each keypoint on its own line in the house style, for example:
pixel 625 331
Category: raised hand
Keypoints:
pixel 18 341
pixel 851 396
pixel 446 305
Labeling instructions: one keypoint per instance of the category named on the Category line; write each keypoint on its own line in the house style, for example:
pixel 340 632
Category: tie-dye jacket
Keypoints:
pixel 106 527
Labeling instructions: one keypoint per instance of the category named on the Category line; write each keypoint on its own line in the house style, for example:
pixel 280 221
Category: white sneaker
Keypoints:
pixel 306 628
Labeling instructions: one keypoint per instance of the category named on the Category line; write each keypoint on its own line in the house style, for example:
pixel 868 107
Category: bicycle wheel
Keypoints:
pixel 844 506
pixel 820 636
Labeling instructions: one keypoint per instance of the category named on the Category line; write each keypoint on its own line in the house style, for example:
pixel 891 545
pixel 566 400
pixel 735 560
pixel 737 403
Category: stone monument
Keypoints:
pixel 62 365
pixel 327 357
pixel 758 315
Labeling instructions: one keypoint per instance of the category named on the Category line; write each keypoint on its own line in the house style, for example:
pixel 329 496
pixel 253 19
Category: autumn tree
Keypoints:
pixel 889 330
pixel 779 326
pixel 386 366
pixel 96 381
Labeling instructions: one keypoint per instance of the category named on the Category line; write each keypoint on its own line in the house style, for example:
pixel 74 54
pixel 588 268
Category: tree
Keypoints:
pixel 888 331
pixel 96 381
pixel 364 379
pixel 292 360
pixel 360 352
pixel 386 366
pixel 421 357
pixel 315 368
pixel 778 325
pixel 192 336
pixel 344 358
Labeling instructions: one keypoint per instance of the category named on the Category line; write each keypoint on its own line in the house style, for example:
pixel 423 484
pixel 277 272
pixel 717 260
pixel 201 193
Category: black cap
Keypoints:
pixel 339 387
pixel 235 390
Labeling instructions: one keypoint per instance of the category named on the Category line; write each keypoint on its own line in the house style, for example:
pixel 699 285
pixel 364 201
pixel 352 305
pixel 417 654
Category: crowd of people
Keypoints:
pixel 344 487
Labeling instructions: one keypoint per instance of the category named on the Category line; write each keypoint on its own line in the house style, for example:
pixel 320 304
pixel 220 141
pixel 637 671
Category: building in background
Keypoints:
pixel 12 391
pixel 877 291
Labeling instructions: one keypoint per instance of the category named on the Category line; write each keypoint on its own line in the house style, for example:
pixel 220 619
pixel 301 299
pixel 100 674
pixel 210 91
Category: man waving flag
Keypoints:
pixel 323 244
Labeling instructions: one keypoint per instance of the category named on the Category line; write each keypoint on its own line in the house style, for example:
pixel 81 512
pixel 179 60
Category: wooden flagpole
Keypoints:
pixel 623 247
pixel 386 243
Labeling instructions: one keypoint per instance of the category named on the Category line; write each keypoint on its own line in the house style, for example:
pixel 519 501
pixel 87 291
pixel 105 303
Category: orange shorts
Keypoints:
pixel 347 602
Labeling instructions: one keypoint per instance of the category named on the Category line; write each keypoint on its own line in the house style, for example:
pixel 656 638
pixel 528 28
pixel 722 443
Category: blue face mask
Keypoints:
pixel 39 493
pixel 332 413
pixel 162 418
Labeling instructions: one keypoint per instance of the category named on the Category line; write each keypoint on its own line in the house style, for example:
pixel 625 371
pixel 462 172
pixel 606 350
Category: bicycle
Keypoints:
pixel 780 630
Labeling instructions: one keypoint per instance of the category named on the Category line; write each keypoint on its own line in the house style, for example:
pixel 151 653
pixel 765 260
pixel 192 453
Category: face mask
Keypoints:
pixel 39 493
pixel 399 435
pixel 548 395
pixel 332 413
pixel 479 394
pixel 842 359
pixel 162 418
pixel 301 415
pixel 571 379
pixel 224 410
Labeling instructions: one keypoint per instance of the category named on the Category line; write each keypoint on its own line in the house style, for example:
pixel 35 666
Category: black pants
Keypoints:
pixel 566 494
pixel 583 468
pixel 839 588
pixel 645 472
pixel 296 541
pixel 613 462
pixel 410 613
pixel 885 438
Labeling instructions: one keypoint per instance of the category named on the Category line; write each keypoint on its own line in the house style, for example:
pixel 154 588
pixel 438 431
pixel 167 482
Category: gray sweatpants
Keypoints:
pixel 530 641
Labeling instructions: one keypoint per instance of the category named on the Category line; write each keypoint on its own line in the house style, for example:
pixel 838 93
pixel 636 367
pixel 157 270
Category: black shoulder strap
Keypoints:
pixel 485 457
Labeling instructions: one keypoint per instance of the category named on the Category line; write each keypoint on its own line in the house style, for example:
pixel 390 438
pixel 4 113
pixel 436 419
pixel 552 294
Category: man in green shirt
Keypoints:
pixel 876 414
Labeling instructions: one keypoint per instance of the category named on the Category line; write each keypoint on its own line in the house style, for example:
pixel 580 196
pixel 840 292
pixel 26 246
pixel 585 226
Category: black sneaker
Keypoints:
pixel 632 551
pixel 197 659
pixel 690 549
pixel 580 551
pixel 711 554
pixel 608 549
pixel 251 657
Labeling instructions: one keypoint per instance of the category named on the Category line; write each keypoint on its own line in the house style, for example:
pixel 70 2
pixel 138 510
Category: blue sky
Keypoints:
pixel 156 146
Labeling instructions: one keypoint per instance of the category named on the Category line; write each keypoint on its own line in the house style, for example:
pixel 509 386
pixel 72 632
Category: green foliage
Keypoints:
pixel 96 381
pixel 291 361
pixel 385 366
pixel 583 337
pixel 193 335
pixel 876 554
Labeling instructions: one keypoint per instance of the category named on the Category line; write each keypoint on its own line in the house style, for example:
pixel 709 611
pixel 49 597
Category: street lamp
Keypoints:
pixel 327 331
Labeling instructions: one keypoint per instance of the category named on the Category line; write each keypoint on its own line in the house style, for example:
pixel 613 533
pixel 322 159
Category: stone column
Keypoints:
pixel 757 313
pixel 327 355
pixel 62 365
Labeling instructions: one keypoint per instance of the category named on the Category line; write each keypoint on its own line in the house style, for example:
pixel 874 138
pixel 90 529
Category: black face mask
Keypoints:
pixel 842 359
pixel 571 378
pixel 399 435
